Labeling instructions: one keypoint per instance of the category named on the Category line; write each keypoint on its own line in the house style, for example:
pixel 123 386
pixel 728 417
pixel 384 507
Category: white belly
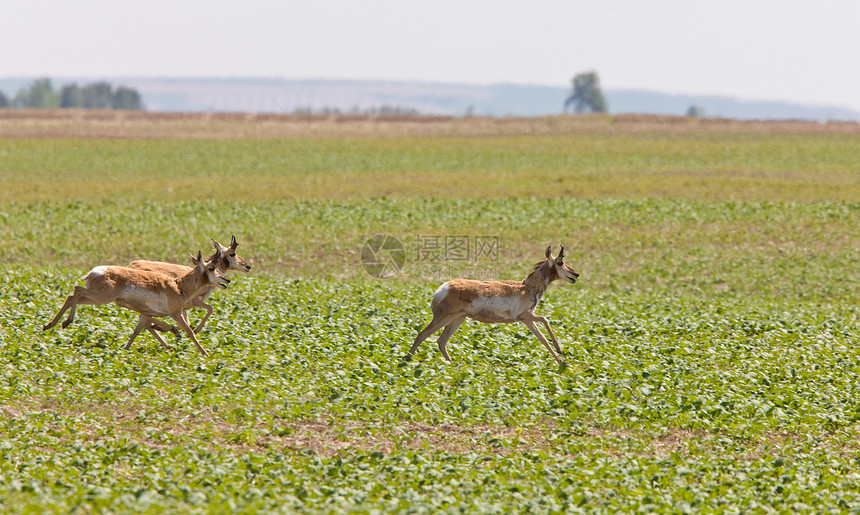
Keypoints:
pixel 496 309
pixel 143 301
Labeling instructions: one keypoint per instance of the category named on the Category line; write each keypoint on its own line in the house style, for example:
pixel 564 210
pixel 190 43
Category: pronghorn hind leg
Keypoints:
pixel 66 305
pixel 142 323
pixel 77 297
pixel 82 298
pixel 533 328
pixel 450 329
pixel 432 327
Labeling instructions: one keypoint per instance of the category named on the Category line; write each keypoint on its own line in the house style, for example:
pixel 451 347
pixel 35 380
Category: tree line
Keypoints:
pixel 585 96
pixel 98 95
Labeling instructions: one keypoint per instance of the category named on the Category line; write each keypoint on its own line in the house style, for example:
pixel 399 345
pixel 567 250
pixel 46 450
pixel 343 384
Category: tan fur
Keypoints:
pixel 495 302
pixel 228 262
pixel 151 294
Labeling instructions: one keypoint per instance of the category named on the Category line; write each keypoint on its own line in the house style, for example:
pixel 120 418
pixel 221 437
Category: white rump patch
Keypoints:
pixel 95 272
pixel 441 293
pixel 99 270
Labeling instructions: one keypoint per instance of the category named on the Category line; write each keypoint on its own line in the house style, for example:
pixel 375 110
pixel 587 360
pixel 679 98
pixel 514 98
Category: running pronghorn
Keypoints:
pixel 151 294
pixel 228 262
pixel 496 302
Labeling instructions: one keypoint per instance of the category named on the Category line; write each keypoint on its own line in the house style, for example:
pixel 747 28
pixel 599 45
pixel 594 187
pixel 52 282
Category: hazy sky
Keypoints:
pixel 758 49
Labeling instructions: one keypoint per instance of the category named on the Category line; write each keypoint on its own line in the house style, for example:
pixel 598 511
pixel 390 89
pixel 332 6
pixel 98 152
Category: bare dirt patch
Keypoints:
pixel 337 437
pixel 75 123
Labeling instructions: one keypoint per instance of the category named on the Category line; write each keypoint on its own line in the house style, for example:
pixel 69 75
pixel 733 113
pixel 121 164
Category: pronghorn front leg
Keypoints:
pixel 160 325
pixel 537 318
pixel 183 324
pixel 533 328
pixel 551 335
pixel 197 303
pixel 157 337
pixel 164 327
pixel 154 324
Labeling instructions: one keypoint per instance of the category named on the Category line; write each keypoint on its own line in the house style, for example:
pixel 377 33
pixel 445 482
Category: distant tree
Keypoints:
pixel 40 95
pixel 71 96
pixel 4 102
pixel 97 95
pixel 126 98
pixel 586 95
pixel 696 112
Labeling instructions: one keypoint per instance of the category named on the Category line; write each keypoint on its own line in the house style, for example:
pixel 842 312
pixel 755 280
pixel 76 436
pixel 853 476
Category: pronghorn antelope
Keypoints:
pixel 495 302
pixel 228 262
pixel 151 294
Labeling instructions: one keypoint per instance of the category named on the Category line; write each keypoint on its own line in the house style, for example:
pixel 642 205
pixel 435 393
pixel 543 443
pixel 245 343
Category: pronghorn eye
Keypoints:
pixel 559 263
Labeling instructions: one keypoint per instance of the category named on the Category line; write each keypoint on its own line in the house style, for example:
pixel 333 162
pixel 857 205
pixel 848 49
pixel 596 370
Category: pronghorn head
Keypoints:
pixel 209 269
pixel 560 269
pixel 229 259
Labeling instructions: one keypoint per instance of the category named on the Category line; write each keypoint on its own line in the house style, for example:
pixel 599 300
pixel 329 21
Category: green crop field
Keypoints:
pixel 711 350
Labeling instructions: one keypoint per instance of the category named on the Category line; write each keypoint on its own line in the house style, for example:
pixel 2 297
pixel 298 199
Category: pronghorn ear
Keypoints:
pixel 197 260
pixel 216 244
pixel 549 252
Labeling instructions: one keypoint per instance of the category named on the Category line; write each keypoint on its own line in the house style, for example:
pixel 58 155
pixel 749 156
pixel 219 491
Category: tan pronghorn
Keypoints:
pixel 151 294
pixel 495 302
pixel 228 262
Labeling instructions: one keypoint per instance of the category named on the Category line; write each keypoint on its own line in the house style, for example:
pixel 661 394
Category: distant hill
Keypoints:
pixel 282 95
